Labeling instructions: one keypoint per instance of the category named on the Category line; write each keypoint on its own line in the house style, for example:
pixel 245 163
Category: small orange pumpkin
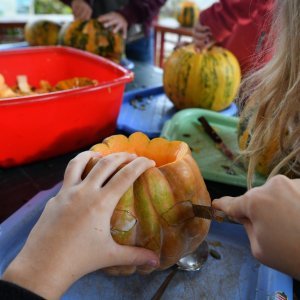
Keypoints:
pixel 154 212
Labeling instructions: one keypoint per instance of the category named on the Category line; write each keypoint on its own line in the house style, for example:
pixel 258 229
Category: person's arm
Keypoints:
pixel 72 237
pixel 222 17
pixel 142 12
pixel 135 12
pixel 81 8
pixel 271 215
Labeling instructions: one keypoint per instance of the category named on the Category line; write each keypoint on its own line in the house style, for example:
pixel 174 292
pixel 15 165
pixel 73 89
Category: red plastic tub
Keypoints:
pixel 42 126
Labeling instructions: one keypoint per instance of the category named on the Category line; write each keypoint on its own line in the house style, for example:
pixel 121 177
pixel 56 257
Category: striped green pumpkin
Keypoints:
pixel 209 79
pixel 188 14
pixel 42 33
pixel 92 37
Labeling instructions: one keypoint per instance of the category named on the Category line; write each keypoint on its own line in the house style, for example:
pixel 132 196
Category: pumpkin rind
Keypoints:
pixel 209 79
pixel 42 33
pixel 157 193
pixel 188 14
pixel 92 37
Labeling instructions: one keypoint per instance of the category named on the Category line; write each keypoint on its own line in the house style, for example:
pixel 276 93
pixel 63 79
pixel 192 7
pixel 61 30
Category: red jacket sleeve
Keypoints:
pixel 143 12
pixel 223 16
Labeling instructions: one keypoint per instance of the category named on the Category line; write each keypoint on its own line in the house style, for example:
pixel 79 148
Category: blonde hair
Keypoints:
pixel 272 97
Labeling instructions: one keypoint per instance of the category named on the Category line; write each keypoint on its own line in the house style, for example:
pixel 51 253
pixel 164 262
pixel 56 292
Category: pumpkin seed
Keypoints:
pixel 215 254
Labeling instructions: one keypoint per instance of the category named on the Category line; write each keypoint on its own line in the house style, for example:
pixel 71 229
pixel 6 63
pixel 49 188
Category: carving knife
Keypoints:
pixel 210 213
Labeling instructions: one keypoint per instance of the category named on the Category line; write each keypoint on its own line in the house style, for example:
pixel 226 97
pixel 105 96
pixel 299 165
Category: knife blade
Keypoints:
pixel 216 138
pixel 220 143
pixel 210 213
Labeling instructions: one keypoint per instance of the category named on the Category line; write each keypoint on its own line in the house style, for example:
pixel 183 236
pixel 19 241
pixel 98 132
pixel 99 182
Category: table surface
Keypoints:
pixel 19 184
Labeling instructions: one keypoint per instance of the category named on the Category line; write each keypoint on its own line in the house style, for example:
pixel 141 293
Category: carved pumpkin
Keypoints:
pixel 42 33
pixel 188 14
pixel 92 37
pixel 154 213
pixel 209 79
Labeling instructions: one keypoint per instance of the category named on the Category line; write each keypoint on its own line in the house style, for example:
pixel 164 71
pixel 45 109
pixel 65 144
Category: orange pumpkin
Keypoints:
pixel 154 212
pixel 42 33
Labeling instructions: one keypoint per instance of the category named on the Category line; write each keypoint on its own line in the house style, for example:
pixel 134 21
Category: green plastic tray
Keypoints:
pixel 214 165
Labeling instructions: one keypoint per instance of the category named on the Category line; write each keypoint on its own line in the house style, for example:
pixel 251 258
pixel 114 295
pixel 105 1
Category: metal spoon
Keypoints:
pixel 191 262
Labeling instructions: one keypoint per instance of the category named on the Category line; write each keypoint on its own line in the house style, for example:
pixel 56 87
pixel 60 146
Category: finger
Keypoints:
pixel 202 29
pixel 199 46
pixel 118 27
pixel 104 18
pixel 86 15
pixel 76 167
pixel 235 207
pixel 125 178
pixel 110 23
pixel 209 45
pixel 201 36
pixel 180 45
pixel 106 167
pixel 134 256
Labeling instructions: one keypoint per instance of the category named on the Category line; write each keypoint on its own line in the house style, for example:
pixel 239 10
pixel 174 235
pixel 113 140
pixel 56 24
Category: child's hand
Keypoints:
pixel 271 215
pixel 203 37
pixel 116 21
pixel 72 236
pixel 81 10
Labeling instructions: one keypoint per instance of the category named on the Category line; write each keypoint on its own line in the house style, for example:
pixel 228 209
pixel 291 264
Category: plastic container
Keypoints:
pixel 214 165
pixel 147 110
pixel 236 275
pixel 42 126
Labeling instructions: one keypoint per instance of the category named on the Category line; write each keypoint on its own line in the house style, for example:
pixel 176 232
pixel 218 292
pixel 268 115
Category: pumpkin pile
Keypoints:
pixel 85 35
pixel 153 213
pixel 188 14
pixel 23 88
pixel 208 79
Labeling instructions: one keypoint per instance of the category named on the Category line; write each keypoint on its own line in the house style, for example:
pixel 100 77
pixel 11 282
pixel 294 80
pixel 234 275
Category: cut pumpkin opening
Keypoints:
pixel 158 149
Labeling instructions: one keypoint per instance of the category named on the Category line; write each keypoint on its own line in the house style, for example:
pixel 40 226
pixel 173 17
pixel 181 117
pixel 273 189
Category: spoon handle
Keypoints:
pixel 164 285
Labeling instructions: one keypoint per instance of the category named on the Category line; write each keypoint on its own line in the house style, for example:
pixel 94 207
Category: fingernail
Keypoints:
pixel 152 263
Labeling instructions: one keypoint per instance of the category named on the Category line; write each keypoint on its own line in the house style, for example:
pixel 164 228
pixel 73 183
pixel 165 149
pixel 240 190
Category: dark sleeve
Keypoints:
pixel 223 16
pixel 68 2
pixel 9 291
pixel 142 12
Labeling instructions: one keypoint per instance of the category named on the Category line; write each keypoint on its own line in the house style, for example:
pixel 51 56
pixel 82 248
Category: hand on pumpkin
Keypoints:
pixel 116 21
pixel 270 214
pixel 203 38
pixel 72 236
pixel 81 10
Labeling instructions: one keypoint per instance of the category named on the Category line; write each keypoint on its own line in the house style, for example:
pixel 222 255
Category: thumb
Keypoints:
pixel 136 256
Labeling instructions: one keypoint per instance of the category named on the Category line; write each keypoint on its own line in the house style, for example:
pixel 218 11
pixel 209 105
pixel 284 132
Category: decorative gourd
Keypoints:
pixel 92 37
pixel 42 33
pixel 188 14
pixel 155 212
pixel 209 79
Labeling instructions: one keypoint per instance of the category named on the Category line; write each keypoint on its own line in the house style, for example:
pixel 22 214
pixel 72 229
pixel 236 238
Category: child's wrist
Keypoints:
pixel 41 282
